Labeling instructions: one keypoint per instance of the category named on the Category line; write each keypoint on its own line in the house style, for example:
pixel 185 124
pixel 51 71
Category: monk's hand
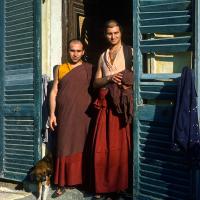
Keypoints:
pixel 117 78
pixel 52 122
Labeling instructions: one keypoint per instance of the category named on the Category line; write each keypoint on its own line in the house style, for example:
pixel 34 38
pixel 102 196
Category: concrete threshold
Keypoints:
pixel 10 194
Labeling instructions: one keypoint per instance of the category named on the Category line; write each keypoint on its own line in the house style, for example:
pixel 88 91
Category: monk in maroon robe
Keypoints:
pixel 110 139
pixel 69 103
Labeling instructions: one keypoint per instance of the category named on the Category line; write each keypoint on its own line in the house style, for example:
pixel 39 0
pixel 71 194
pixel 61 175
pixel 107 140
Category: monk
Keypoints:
pixel 69 102
pixel 111 143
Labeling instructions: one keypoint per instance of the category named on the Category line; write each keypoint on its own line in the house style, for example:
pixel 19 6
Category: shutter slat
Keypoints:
pixel 19 67
pixel 18 16
pixel 156 176
pixel 19 9
pixel 13 77
pixel 19 58
pixel 17 128
pixel 18 137
pixel 13 92
pixel 16 33
pixel 13 111
pixel 19 82
pixel 168 29
pixel 164 86
pixel 166 20
pixel 152 2
pixel 18 165
pixel 174 171
pixel 22 142
pixel 171 41
pixel 18 5
pixel 19 28
pixel 153 15
pixel 18 97
pixel 18 41
pixel 27 35
pixel 156 113
pixel 20 51
pixel 161 90
pixel 158 95
pixel 167 48
pixel 163 193
pixel 18 160
pixel 28 150
pixel 19 71
pixel 17 22
pixel 13 156
pixel 175 6
pixel 15 2
pixel 19 25
pixel 160 76
pixel 175 165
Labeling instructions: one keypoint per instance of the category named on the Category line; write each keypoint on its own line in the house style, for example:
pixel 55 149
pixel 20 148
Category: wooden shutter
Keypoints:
pixel 20 87
pixel 159 172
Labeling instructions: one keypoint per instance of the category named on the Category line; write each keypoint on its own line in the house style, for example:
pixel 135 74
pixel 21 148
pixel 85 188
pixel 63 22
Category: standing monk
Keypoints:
pixel 111 141
pixel 69 102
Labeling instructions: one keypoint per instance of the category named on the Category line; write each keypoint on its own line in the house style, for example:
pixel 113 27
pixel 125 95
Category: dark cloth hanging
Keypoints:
pixel 185 130
pixel 122 99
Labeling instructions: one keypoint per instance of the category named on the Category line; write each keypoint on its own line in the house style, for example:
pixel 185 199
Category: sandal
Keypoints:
pixel 60 191
pixel 98 197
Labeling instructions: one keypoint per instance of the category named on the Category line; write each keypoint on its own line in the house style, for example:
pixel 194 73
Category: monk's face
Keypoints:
pixel 114 35
pixel 75 52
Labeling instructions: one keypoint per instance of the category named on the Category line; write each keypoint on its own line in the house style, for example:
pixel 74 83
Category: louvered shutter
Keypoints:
pixel 159 172
pixel 20 86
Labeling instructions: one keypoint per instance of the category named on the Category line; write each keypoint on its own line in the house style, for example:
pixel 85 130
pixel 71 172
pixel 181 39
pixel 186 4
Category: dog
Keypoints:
pixel 41 174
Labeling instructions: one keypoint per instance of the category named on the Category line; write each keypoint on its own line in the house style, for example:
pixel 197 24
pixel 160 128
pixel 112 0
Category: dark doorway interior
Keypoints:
pixel 97 12
pixel 94 14
pixel 85 19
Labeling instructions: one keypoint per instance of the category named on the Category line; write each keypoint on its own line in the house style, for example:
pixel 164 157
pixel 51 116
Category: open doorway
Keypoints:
pixel 85 19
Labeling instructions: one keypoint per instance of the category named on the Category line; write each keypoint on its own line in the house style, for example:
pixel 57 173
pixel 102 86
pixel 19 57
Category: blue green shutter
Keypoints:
pixel 159 172
pixel 20 98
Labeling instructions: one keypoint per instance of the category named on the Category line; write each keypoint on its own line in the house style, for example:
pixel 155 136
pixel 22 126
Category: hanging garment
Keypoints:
pixel 185 130
pixel 45 107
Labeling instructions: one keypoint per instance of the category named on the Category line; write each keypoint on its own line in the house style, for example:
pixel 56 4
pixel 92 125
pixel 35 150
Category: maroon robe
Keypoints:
pixel 72 104
pixel 108 160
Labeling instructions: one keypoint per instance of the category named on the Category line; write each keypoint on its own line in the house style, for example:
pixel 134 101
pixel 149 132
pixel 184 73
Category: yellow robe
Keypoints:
pixel 63 70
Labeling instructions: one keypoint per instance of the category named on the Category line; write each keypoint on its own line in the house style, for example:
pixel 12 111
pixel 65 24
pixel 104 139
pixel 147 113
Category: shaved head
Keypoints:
pixel 75 41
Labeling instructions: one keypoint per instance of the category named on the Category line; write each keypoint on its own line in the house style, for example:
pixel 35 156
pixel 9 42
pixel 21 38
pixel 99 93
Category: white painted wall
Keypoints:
pixel 51 39
pixel 51 35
